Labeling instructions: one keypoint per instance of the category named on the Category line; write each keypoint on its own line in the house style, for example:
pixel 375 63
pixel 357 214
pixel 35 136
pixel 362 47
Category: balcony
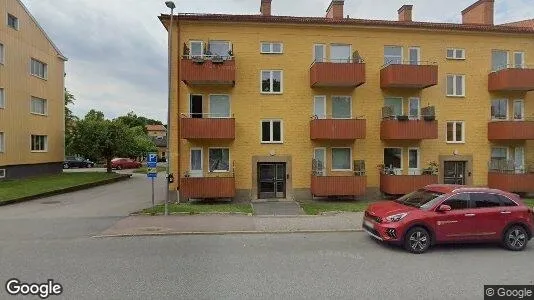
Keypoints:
pixel 208 70
pixel 409 76
pixel 404 184
pixel 327 186
pixel 507 175
pixel 336 74
pixel 511 79
pixel 337 129
pixel 192 128
pixel 511 130
pixel 207 187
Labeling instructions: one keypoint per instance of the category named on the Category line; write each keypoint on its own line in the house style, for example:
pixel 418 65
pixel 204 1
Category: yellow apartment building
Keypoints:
pixel 31 96
pixel 270 106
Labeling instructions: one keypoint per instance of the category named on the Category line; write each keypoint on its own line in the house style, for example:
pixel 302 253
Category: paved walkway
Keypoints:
pixel 227 224
pixel 277 208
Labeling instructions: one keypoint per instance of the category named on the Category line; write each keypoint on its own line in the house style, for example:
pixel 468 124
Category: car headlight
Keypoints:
pixel 396 218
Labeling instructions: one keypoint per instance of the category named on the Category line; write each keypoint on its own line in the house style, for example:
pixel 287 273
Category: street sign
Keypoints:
pixel 152 158
pixel 152 172
pixel 151 164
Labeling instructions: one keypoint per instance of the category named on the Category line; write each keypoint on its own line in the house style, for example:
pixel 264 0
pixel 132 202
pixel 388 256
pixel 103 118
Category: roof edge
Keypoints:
pixel 470 7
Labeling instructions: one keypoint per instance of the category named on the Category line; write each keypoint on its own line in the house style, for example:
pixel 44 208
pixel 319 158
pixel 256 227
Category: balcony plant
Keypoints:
pixel 382 169
pixel 429 113
pixel 402 118
pixel 217 59
pixel 186 50
pixel 432 168
pixel 356 58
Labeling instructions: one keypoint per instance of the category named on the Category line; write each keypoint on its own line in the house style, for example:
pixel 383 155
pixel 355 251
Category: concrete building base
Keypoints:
pixel 32 170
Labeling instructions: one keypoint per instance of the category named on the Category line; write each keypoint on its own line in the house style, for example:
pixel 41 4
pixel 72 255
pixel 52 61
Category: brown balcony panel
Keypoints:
pixel 325 74
pixel 511 130
pixel 337 129
pixel 511 80
pixel 515 183
pixel 408 130
pixel 205 128
pixel 208 73
pixel 325 186
pixel 409 76
pixel 405 184
pixel 207 187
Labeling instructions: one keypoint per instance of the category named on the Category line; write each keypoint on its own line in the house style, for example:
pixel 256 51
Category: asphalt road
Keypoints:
pixel 40 241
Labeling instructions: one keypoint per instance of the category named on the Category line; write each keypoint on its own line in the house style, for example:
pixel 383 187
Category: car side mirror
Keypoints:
pixel 444 208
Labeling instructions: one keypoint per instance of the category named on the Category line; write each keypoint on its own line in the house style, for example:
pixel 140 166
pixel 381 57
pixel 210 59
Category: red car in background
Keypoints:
pixel 124 163
pixel 440 214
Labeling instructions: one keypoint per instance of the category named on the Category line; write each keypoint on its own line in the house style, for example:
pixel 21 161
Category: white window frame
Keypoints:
pixel 522 58
pixel 322 97
pixel 2 142
pixel 418 62
pixel 271 47
pixel 32 98
pixel 201 160
pixel 3 98
pixel 391 46
pixel 271 82
pixel 396 170
pixel 418 108
pixel 499 68
pixel 350 160
pixel 324 52
pixel 209 105
pixel 507 117
pixel 2 53
pixel 220 41
pixel 17 21
pixel 522 109
pixel 3 173
pixel 507 152
pixel 454 87
pixel 402 104
pixel 45 69
pixel 229 160
pixel 414 171
pixel 454 132
pixel 454 51
pixel 324 158
pixel 191 48
pixel 340 60
pixel 332 103
pixel 45 143
pixel 271 128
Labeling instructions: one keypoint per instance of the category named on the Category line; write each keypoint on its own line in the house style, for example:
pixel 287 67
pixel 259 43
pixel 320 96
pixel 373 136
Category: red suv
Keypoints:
pixel 450 213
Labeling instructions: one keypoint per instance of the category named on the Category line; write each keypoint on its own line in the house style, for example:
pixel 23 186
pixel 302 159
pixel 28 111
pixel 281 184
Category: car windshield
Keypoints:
pixel 421 198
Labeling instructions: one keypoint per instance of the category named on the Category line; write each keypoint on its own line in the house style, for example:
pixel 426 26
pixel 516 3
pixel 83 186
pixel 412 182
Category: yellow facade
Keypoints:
pixel 295 105
pixel 16 120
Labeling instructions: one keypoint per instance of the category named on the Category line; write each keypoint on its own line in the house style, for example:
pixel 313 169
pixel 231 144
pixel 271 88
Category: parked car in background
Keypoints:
pixel 124 163
pixel 450 214
pixel 77 162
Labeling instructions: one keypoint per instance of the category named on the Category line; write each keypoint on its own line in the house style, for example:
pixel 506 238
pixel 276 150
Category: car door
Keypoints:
pixel 456 224
pixel 489 218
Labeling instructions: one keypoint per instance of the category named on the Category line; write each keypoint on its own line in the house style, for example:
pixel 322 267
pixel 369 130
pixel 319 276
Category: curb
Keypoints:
pixel 71 189
pixel 149 234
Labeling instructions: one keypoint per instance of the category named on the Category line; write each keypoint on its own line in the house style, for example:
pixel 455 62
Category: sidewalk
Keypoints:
pixel 232 224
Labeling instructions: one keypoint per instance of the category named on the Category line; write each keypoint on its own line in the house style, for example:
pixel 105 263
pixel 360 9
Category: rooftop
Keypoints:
pixel 155 128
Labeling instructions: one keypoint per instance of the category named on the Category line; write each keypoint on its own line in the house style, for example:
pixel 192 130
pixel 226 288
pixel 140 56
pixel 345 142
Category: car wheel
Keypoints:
pixel 515 238
pixel 66 166
pixel 417 240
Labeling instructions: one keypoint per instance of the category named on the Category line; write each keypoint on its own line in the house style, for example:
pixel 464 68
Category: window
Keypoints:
pixel 415 55
pixel 458 201
pixel 499 154
pixel 453 53
pixel 482 200
pixel 219 159
pixel 340 53
pixel 272 48
pixel 395 104
pixel 196 162
pixel 519 110
pixel 341 158
pixel 219 106
pixel 2 143
pixel 196 48
pixel 271 131
pixel 499 109
pixel 505 201
pixel 413 161
pixel 39 143
pixel 38 68
pixel 519 160
pixel 392 55
pixel 2 173
pixel 271 82
pixel 12 21
pixel 319 107
pixel 341 107
pixel 455 85
pixel 393 158
pixel 319 156
pixel 414 105
pixel 319 53
pixel 519 60
pixel 499 60
pixel 38 106
pixel 219 48
pixel 455 132
pixel 2 98
pixel 1 53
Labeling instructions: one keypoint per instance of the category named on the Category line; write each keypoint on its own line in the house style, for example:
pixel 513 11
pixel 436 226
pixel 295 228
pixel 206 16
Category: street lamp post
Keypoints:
pixel 170 5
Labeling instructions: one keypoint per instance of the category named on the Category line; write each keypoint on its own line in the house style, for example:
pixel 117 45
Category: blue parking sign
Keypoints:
pixel 152 158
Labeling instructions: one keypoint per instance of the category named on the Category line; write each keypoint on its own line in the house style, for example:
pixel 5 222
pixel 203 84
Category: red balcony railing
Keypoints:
pixel 405 184
pixel 512 78
pixel 406 75
pixel 350 73
pixel 511 130
pixel 207 187
pixel 326 186
pixel 192 128
pixel 337 129
pixel 408 130
pixel 208 70
pixel 511 176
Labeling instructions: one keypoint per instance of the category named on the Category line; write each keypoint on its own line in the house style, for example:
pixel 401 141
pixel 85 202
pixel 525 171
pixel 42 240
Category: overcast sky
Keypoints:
pixel 117 49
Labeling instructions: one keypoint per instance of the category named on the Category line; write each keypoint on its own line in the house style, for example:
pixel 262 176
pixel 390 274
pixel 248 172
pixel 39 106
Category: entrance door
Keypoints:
pixel 454 172
pixel 196 163
pixel 271 180
pixel 195 106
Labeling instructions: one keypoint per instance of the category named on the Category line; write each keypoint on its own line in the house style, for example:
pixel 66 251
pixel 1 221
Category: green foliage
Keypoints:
pixel 70 121
pixel 132 120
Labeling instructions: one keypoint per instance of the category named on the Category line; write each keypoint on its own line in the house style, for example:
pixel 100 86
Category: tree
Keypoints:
pixel 70 121
pixel 132 120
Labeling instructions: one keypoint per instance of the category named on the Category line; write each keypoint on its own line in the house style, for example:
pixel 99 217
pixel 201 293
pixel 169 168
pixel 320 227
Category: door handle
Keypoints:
pixel 506 212
pixel 470 215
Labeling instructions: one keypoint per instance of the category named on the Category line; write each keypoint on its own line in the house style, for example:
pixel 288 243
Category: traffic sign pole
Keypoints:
pixel 152 172
pixel 153 203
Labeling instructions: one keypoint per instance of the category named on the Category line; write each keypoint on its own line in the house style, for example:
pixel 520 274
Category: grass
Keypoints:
pixel 529 202
pixel 143 170
pixel 197 208
pixel 14 189
pixel 315 208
